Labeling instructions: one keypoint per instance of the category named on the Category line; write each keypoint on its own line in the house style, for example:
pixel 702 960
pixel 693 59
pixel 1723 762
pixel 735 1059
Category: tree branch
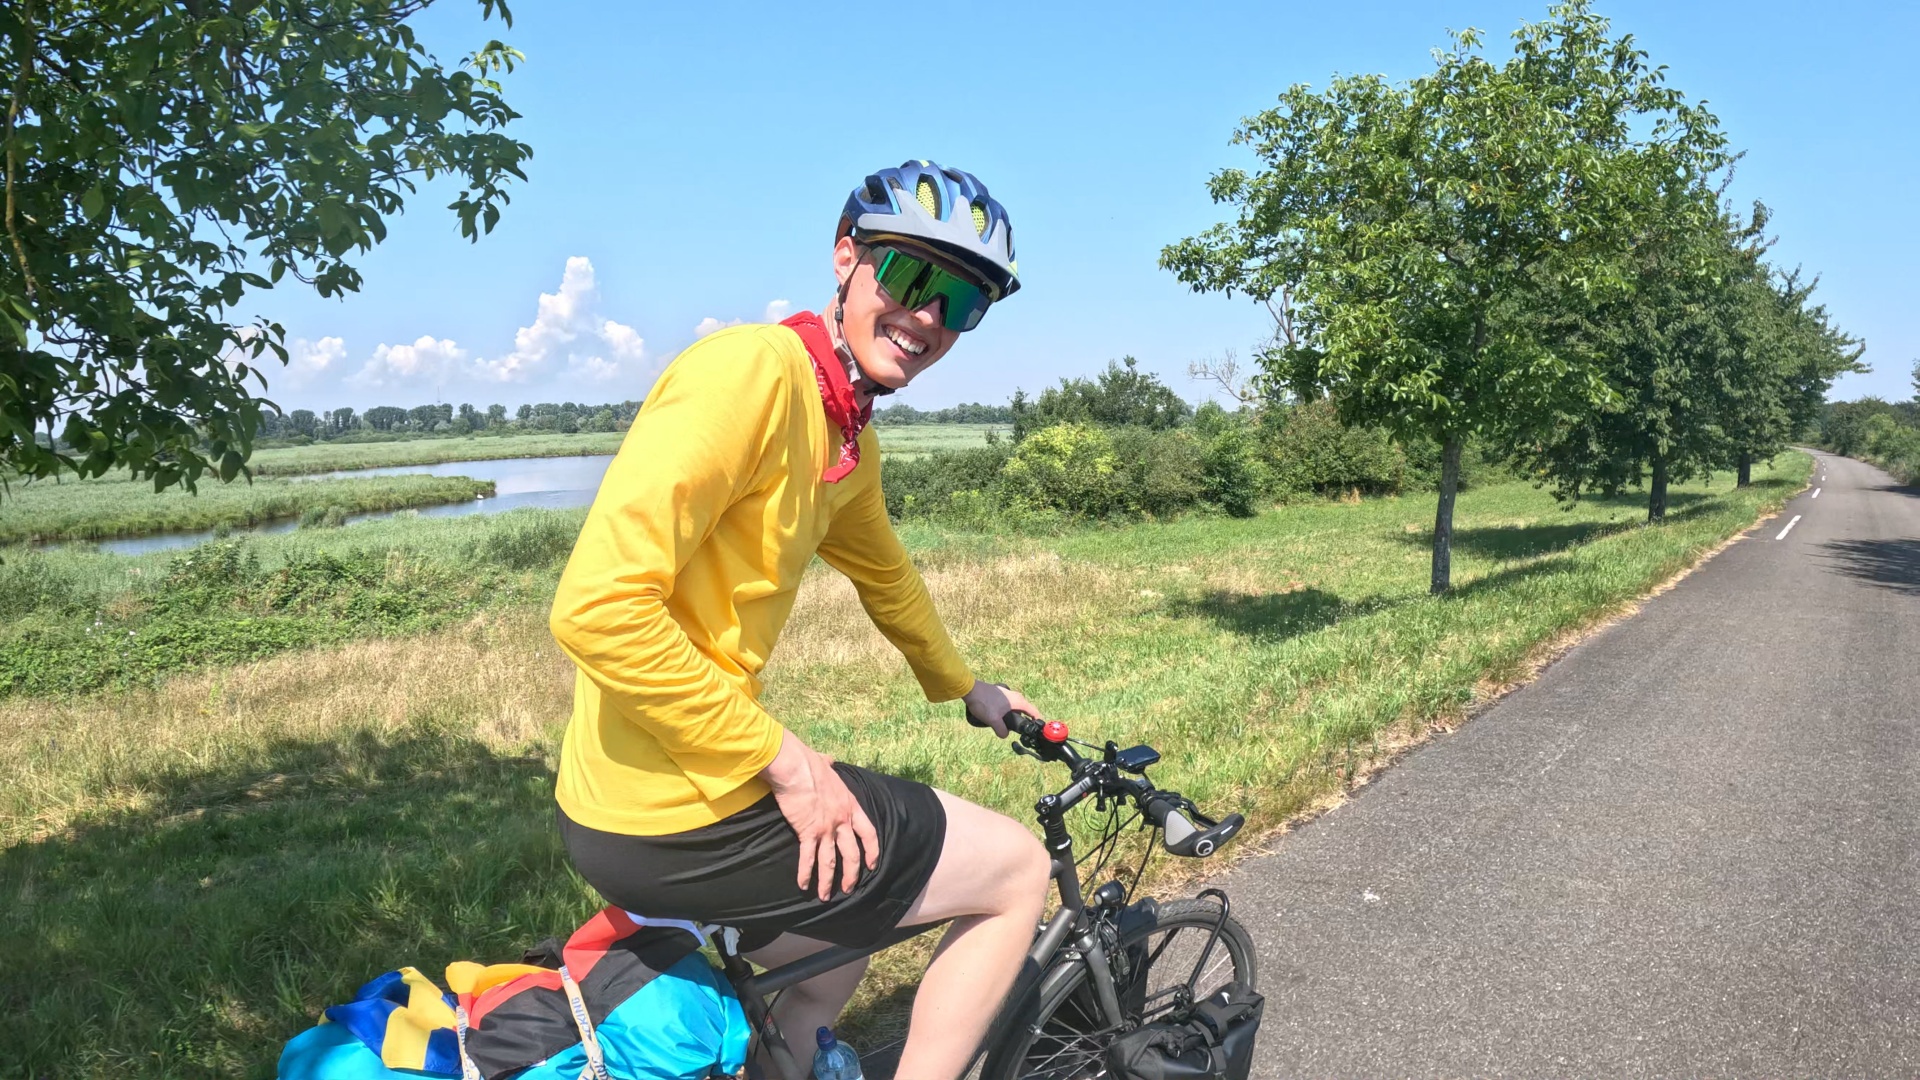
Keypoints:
pixel 13 152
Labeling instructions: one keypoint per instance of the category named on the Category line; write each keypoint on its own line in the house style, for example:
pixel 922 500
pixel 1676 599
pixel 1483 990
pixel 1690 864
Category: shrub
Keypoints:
pixel 529 541
pixel 1161 473
pixel 1069 468
pixel 925 487
pixel 1308 449
pixel 1232 473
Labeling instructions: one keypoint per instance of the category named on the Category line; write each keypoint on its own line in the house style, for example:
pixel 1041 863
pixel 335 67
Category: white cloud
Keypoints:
pixel 308 360
pixel 624 341
pixel 566 324
pixel 426 360
pixel 775 311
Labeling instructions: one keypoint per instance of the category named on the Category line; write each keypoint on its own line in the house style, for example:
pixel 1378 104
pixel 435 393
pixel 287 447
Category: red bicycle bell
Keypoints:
pixel 1054 732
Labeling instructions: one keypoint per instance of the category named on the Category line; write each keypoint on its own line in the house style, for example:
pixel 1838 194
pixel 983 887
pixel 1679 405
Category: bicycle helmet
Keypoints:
pixel 945 209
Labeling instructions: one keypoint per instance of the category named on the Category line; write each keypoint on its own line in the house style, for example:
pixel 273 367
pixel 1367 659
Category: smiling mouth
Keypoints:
pixel 904 341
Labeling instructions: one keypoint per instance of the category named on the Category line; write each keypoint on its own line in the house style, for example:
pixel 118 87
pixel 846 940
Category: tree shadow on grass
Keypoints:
pixel 1271 616
pixel 1887 564
pixel 1508 542
pixel 192 930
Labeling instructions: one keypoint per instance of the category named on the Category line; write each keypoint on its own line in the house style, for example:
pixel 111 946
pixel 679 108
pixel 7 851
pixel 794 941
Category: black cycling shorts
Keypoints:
pixel 743 871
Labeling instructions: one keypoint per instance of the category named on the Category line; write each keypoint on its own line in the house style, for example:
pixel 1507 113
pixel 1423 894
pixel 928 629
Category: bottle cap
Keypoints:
pixel 824 1037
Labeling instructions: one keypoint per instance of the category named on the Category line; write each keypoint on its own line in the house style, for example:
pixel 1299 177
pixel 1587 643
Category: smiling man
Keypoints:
pixel 680 797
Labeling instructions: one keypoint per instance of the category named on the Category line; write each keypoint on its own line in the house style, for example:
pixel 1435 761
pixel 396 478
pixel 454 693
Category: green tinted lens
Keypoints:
pixel 914 283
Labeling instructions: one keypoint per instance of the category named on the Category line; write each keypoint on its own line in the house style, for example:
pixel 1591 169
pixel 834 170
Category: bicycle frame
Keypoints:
pixel 1071 919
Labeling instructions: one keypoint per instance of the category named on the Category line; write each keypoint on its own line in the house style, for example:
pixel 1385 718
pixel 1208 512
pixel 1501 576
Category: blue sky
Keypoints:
pixel 690 161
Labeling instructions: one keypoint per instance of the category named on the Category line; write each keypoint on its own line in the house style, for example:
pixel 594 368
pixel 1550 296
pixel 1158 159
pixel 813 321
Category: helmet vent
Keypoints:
pixel 929 196
pixel 979 218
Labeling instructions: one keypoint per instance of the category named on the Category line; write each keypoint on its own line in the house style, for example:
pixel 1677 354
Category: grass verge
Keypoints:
pixel 98 509
pixel 335 457
pixel 191 870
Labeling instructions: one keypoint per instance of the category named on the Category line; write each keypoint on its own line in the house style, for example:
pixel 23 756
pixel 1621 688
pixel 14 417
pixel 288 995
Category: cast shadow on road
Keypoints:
pixel 206 913
pixel 1888 564
pixel 1909 490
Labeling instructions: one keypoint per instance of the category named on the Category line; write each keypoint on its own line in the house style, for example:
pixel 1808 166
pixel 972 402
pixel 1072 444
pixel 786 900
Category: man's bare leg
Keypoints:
pixel 808 1006
pixel 992 882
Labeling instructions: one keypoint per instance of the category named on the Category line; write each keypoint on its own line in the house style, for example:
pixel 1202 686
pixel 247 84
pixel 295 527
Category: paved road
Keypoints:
pixel 1690 849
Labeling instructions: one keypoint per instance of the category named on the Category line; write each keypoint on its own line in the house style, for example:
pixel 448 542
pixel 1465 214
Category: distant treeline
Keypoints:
pixel 971 413
pixel 385 422
pixel 1886 433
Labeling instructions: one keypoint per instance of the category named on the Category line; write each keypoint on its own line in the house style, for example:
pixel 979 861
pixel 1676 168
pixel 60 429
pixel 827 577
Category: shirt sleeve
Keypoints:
pixel 696 447
pixel 861 544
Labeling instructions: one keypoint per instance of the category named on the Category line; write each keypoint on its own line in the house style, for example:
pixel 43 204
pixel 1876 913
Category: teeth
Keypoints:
pixel 907 344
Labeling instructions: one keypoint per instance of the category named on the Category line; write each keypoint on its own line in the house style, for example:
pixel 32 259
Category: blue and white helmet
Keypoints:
pixel 944 209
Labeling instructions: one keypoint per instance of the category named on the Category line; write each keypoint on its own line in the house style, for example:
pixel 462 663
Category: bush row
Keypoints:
pixel 1233 463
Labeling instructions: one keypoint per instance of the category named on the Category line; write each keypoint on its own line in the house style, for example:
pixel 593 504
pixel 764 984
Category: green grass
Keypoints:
pixel 334 457
pixel 103 508
pixel 189 872
pixel 915 440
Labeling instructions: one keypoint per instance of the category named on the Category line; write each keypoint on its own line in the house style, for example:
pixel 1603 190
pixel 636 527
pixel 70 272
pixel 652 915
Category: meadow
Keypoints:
pixel 916 440
pixel 334 457
pixel 44 510
pixel 195 859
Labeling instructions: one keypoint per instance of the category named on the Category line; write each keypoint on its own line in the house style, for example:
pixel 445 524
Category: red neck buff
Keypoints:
pixel 835 391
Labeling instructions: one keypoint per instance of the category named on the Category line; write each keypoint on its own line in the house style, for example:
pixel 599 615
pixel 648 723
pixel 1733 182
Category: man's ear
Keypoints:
pixel 845 257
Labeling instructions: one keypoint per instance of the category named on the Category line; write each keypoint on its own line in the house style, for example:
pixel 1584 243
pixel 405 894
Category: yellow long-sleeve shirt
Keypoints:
pixel 685 573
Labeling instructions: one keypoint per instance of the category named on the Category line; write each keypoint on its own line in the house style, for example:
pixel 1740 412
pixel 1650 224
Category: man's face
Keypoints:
pixel 892 344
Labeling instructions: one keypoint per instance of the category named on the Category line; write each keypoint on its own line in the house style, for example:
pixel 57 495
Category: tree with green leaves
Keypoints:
pixel 1121 396
pixel 1668 347
pixel 1791 352
pixel 1395 230
pixel 163 158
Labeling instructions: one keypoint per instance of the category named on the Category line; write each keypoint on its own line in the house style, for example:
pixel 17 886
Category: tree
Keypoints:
pixel 340 421
pixel 163 157
pixel 1845 427
pixel 1793 353
pixel 1667 347
pixel 1121 396
pixel 1394 229
pixel 385 417
pixel 496 415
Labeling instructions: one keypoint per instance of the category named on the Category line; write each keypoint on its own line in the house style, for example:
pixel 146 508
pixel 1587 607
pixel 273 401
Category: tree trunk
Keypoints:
pixel 1443 517
pixel 1657 498
pixel 1746 470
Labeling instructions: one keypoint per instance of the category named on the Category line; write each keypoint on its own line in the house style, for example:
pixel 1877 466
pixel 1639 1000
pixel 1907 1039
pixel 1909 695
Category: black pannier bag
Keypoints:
pixel 1208 1040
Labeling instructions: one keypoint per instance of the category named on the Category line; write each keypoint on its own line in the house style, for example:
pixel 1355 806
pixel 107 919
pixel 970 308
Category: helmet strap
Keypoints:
pixel 856 374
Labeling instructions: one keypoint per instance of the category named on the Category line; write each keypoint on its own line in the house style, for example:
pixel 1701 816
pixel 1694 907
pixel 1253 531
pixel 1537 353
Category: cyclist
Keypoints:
pixel 679 796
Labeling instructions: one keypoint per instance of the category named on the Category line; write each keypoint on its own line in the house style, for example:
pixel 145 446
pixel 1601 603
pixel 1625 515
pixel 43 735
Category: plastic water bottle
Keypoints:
pixel 834 1060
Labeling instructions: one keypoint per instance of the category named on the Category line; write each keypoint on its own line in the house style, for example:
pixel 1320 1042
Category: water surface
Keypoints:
pixel 558 483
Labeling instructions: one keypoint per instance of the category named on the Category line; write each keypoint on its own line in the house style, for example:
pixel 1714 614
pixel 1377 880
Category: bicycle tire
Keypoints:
pixel 1048 1037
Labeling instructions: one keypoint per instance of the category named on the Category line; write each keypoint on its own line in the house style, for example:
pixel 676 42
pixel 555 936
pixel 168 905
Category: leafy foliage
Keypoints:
pixel 163 157
pixel 1121 396
pixel 1394 229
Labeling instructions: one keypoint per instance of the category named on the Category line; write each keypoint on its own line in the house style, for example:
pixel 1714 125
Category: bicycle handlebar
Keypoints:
pixel 1185 831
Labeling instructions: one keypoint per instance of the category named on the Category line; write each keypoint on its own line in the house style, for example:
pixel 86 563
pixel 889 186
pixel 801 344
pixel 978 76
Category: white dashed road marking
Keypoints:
pixel 1817 491
pixel 1789 528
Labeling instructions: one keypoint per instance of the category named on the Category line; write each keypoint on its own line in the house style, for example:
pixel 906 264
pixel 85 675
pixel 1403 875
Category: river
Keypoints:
pixel 556 483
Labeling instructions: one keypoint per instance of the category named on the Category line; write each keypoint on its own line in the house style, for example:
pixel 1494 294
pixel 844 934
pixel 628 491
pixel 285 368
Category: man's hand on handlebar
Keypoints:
pixel 989 703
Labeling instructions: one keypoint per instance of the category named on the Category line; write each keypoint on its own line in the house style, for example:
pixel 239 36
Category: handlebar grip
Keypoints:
pixel 1182 837
pixel 1018 723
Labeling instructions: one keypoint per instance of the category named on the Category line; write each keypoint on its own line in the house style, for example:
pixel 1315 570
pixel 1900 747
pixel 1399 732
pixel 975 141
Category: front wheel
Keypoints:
pixel 1062 1033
